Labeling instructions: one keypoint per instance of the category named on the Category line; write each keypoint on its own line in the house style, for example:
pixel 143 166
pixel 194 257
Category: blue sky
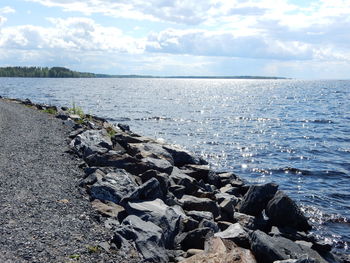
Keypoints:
pixel 291 38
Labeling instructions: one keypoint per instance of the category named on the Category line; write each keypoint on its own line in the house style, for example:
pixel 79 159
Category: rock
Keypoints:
pixel 198 172
pixel 109 209
pixel 177 190
pixel 162 178
pixel 148 191
pixel 150 149
pixel 92 141
pixel 321 246
pixel 92 178
pixel 147 236
pixel 227 209
pixel 167 218
pixel 200 204
pixel 269 249
pixel 223 225
pixel 113 187
pixel 229 189
pixel 194 238
pixel 256 199
pixel 221 251
pixel 190 224
pixel 62 115
pixel 160 165
pixel 193 251
pixel 235 233
pixel 124 127
pixel 182 157
pixel 289 233
pixel 283 211
pixel 250 222
pixel 124 139
pixel 210 224
pixel 190 184
pixel 200 215
pixel 220 197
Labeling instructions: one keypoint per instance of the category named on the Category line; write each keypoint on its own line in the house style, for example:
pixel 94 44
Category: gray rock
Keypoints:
pixel 283 211
pixel 182 157
pixel 256 199
pixel 148 191
pixel 113 187
pixel 200 204
pixel 229 189
pixel 220 197
pixel 160 165
pixel 200 215
pixel 150 149
pixel 162 178
pixel 169 219
pixel 227 209
pixel 210 224
pixel 109 209
pixel 180 178
pixel 269 249
pixel 148 238
pixel 235 233
pixel 92 141
pixel 249 222
pixel 198 172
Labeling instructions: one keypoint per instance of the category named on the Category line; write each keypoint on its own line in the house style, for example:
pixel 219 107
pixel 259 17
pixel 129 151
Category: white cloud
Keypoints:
pixel 7 10
pixel 75 34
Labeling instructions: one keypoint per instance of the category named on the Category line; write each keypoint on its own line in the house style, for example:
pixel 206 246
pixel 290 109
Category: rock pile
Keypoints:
pixel 172 207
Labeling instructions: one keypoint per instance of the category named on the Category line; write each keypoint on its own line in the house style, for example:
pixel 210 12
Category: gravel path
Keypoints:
pixel 43 216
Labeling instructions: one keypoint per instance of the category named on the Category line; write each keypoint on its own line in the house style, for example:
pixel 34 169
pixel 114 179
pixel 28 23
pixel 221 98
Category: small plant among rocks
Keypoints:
pixel 50 111
pixel 77 110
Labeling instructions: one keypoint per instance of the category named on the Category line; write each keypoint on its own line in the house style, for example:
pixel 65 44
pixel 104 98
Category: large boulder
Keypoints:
pixel 114 186
pixel 283 211
pixel 256 199
pixel 221 251
pixel 92 141
pixel 154 150
pixel 269 249
pixel 180 178
pixel 147 236
pixel 182 157
pixel 194 238
pixel 200 204
pixel 167 218
pixel 148 191
pixel 160 165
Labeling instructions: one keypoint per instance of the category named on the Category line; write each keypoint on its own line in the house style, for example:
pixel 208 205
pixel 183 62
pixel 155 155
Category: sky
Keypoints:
pixel 306 39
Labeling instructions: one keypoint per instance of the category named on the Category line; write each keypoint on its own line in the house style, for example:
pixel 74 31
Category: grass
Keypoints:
pixel 111 132
pixel 50 111
pixel 93 249
pixel 77 110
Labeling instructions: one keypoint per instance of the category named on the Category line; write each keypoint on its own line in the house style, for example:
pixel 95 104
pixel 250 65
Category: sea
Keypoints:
pixel 295 133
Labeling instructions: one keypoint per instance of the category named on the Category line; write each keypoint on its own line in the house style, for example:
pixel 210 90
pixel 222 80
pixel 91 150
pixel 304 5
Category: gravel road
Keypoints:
pixel 43 215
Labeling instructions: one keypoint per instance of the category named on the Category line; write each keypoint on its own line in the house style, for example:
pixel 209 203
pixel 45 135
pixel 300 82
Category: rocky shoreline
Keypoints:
pixel 170 206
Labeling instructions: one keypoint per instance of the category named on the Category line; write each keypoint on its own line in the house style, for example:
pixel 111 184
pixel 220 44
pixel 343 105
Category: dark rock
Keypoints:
pixel 113 187
pixel 200 204
pixel 190 184
pixel 124 127
pixel 283 211
pixel 227 209
pixel 92 141
pixel 200 215
pixel 148 191
pixel 210 224
pixel 235 233
pixel 198 172
pixel 75 133
pixel 177 190
pixel 289 233
pixel 256 199
pixel 223 225
pixel 92 178
pixel 227 178
pixel 163 179
pixel 169 219
pixel 321 246
pixel 194 238
pixel 182 157
pixel 148 238
pixel 64 108
pixel 229 189
pixel 190 224
pixel 269 249
pixel 62 115
pixel 220 197
pixel 160 165
pixel 27 102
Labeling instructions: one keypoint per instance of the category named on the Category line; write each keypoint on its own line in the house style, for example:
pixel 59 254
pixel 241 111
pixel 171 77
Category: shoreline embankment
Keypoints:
pixel 169 205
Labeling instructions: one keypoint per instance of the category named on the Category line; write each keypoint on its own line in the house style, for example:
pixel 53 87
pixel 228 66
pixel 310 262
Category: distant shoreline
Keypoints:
pixel 60 72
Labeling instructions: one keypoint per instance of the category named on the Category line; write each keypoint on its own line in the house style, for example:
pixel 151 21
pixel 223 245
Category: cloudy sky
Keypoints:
pixel 291 38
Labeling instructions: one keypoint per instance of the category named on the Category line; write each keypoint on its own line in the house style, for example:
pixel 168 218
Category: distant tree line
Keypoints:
pixel 43 72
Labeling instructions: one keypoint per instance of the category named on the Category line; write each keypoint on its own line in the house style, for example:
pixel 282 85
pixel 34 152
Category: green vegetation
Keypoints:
pixel 77 110
pixel 50 111
pixel 111 132
pixel 75 256
pixel 93 249
pixel 61 72
pixel 39 72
